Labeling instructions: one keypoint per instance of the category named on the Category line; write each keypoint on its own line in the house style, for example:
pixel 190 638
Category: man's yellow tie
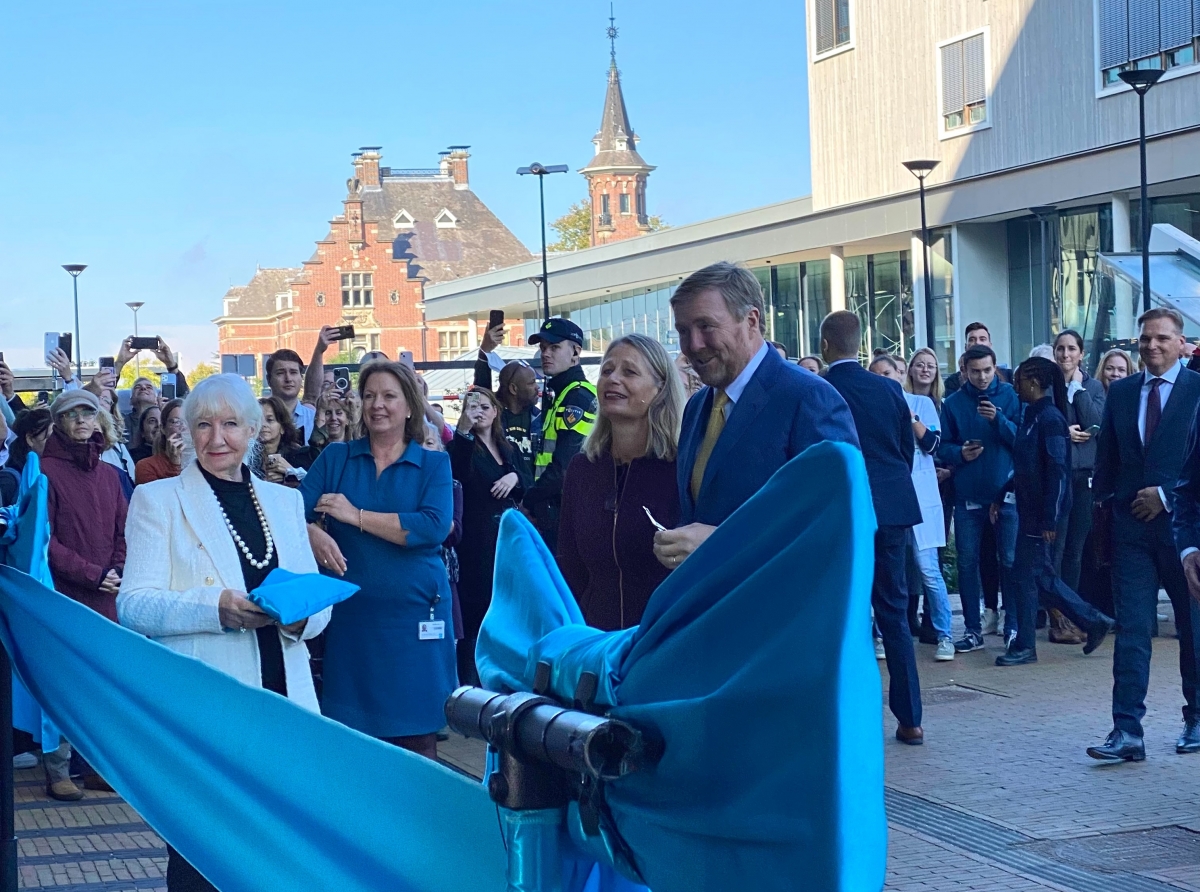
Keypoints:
pixel 716 423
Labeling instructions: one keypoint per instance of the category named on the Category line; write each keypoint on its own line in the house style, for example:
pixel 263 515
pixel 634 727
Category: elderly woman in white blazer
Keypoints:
pixel 198 542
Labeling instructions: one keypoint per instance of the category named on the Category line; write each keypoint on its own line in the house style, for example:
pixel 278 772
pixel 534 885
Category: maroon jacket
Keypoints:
pixel 87 520
pixel 606 542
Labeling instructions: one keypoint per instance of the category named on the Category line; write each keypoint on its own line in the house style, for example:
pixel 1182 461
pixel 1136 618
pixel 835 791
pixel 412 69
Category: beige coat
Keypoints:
pixel 181 557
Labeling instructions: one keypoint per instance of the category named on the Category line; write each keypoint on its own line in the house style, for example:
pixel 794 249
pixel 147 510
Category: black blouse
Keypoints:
pixel 235 498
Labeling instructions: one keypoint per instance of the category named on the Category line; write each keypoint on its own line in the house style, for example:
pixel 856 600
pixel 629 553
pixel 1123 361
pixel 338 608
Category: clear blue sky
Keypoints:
pixel 174 146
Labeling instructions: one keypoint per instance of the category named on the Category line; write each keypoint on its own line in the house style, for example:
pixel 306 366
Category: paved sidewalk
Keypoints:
pixel 1001 797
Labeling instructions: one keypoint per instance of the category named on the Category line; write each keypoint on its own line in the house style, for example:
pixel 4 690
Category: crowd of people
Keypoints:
pixel 1072 496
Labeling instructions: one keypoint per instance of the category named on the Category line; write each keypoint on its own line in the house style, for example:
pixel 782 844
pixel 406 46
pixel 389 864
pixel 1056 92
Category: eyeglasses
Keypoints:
pixel 77 414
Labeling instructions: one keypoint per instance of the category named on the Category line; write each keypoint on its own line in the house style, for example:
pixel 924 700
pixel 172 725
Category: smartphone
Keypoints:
pixel 973 443
pixel 43 397
pixel 341 378
pixel 495 317
pixel 64 343
pixel 108 364
pixel 50 342
pixel 406 358
pixel 167 386
pixel 343 333
pixel 143 343
pixel 1091 431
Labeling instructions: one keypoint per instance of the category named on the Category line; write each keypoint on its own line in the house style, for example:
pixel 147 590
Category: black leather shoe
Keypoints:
pixel 1189 740
pixel 1098 632
pixel 1015 656
pixel 1119 747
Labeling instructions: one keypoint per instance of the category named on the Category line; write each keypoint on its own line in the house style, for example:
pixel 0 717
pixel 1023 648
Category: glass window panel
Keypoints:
pixel 786 307
pixel 345 280
pixel 858 299
pixel 368 297
pixel 367 279
pixel 816 304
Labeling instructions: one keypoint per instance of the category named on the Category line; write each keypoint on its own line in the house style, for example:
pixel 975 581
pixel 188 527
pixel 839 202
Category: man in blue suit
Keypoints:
pixel 767 410
pixel 884 424
pixel 1139 459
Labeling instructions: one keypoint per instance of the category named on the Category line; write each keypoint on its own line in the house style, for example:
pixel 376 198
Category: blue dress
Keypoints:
pixel 379 677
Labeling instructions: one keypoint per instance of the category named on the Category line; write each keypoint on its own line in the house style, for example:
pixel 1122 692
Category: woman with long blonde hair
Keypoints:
pixel 622 484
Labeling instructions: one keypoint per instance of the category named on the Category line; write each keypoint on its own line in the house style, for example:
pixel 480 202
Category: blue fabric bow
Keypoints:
pixel 754 665
pixel 289 597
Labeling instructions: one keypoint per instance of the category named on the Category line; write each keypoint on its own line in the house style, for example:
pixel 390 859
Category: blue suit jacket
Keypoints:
pixel 884 424
pixel 1185 518
pixel 1123 464
pixel 783 410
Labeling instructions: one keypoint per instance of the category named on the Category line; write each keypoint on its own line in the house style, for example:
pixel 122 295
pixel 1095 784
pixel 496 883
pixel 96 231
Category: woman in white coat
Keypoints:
pixel 199 542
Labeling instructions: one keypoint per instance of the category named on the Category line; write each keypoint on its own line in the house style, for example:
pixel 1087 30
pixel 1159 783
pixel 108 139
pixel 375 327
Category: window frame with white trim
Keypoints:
pixel 838 42
pixel 1174 48
pixel 358 288
pixel 977 95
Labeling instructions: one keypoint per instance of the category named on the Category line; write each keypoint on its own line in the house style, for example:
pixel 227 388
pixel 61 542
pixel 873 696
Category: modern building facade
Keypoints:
pixel 1020 105
pixel 399 231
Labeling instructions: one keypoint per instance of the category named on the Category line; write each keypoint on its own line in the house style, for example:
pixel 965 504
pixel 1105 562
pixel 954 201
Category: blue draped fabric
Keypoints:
pixel 254 791
pixel 758 646
pixel 25 546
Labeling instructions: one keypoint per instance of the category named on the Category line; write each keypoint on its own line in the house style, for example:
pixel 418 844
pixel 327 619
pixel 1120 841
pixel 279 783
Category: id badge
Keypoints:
pixel 431 630
pixel 973 506
pixel 1010 498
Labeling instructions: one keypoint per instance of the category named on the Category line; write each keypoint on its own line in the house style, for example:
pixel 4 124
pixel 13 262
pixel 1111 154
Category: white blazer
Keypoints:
pixel 181 557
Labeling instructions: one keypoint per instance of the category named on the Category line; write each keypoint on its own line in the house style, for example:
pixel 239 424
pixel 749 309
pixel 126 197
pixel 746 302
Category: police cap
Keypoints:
pixel 557 329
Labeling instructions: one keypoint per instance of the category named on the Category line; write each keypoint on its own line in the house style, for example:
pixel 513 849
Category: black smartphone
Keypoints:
pixel 1 356
pixel 143 343
pixel 64 343
pixel 108 364
pixel 495 317
pixel 167 386
pixel 344 333
pixel 43 397
pixel 341 378
pixel 973 443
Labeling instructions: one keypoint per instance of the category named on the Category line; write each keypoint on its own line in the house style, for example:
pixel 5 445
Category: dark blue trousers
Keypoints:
pixel 889 598
pixel 1145 558
pixel 1038 585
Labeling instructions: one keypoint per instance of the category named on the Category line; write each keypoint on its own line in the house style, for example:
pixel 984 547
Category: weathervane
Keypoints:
pixel 612 33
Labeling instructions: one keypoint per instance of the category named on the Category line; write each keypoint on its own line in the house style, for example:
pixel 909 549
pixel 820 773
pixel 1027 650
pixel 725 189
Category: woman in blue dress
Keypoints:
pixel 379 509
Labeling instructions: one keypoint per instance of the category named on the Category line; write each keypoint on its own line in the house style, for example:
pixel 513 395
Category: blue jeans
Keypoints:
pixel 937 600
pixel 1037 585
pixel 969 524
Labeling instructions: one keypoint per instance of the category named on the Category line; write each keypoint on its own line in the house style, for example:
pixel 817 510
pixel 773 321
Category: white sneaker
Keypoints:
pixel 945 650
pixel 879 654
pixel 991 622
pixel 26 760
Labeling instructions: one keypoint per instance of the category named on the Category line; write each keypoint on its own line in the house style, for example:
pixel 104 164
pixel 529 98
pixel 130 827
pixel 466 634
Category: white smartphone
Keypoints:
pixel 51 342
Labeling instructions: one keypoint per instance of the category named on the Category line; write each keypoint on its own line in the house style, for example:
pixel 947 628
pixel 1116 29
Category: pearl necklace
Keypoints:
pixel 258 565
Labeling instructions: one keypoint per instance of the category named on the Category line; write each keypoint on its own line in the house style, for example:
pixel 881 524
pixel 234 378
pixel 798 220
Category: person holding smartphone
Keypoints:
pixel 979 426
pixel 1084 411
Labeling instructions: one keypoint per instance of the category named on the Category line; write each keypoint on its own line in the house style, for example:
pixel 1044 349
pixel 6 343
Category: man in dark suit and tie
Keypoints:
pixel 884 424
pixel 1139 459
pixel 756 412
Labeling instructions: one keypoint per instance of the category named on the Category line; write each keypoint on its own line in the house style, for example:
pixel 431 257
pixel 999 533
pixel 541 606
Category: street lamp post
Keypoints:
pixel 540 170
pixel 136 305
pixel 921 169
pixel 1142 79
pixel 420 305
pixel 1044 212
pixel 75 269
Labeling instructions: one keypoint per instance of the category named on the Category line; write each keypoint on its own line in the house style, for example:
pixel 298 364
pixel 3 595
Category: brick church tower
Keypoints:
pixel 617 174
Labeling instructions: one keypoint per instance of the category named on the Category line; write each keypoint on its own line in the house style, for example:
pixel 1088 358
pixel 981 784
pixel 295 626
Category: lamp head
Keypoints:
pixel 540 170
pixel 921 168
pixel 135 305
pixel 1141 79
pixel 75 268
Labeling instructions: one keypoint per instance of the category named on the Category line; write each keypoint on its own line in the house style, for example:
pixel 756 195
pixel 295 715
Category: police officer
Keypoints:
pixel 568 415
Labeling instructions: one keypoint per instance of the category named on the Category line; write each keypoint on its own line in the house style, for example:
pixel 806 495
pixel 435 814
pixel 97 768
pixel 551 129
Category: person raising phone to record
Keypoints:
pixel 979 426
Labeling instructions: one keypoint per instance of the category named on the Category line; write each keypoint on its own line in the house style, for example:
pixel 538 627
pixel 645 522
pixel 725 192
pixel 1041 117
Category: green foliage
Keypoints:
pixel 658 223
pixel 200 372
pixel 574 228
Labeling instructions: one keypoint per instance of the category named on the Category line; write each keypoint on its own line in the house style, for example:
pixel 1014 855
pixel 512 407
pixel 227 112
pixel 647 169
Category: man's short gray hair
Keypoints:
pixel 737 285
pixel 218 393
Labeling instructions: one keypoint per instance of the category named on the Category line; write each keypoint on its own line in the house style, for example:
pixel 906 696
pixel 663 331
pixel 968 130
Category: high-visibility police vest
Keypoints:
pixel 555 419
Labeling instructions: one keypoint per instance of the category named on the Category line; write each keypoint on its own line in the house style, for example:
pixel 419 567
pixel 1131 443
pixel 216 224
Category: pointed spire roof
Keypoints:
pixel 615 141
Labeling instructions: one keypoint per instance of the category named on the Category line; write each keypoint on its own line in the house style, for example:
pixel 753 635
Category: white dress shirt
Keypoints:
pixel 303 417
pixel 738 386
pixel 1164 393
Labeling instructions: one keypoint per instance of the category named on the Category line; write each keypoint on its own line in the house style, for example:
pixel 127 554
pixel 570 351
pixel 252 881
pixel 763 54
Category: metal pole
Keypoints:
pixel 1042 240
pixel 8 827
pixel 137 357
pixel 545 274
pixel 926 258
pixel 78 351
pixel 1145 208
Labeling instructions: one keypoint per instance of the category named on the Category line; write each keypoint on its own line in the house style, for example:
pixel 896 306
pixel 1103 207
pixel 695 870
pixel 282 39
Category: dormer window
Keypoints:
pixel 403 220
pixel 445 220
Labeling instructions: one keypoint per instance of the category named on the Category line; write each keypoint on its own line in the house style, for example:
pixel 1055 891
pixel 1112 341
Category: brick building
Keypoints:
pixel 617 174
pixel 398 231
